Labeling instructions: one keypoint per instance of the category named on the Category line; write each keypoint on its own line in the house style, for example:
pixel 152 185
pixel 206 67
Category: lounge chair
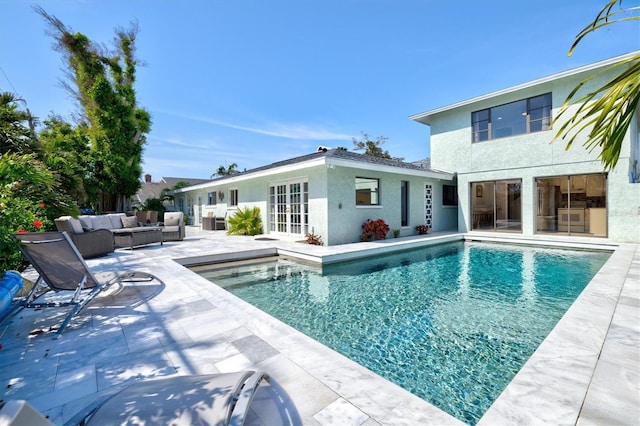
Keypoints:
pixel 215 399
pixel 61 268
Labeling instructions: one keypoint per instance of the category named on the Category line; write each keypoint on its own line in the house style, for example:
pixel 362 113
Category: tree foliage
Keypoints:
pixel 16 126
pixel 25 188
pixel 103 83
pixel 608 110
pixel 226 171
pixel 65 151
pixel 373 147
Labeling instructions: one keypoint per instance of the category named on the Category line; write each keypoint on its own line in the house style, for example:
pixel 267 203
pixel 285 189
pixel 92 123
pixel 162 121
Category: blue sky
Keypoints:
pixel 254 82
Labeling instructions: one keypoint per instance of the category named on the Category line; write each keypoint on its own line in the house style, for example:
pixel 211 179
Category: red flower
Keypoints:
pixel 37 223
pixel 41 205
pixel 21 231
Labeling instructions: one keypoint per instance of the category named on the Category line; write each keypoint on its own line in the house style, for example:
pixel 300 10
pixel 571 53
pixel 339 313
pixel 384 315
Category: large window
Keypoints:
pixel 515 118
pixel 367 192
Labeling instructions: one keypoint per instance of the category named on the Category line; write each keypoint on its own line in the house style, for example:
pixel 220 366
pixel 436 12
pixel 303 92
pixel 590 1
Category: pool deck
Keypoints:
pixel 586 372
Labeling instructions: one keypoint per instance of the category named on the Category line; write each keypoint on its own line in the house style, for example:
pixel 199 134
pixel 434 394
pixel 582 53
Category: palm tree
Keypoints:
pixel 610 108
pixel 17 128
pixel 226 171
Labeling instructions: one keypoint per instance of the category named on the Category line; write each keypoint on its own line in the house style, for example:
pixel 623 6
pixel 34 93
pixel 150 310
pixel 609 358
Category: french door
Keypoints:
pixel 289 208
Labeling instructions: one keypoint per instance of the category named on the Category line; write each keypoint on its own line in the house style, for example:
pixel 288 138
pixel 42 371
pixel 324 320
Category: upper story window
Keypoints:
pixel 367 192
pixel 515 118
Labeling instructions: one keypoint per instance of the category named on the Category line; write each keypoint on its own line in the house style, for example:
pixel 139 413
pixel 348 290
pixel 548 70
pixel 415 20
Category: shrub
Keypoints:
pixel 374 230
pixel 24 182
pixel 422 229
pixel 396 233
pixel 245 222
pixel 314 240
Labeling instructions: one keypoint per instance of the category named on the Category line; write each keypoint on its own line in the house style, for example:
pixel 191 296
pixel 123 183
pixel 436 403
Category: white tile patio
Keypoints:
pixel 587 371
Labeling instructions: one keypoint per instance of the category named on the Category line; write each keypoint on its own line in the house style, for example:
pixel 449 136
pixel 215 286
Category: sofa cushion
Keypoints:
pixel 129 221
pixel 86 222
pixel 76 225
pixel 101 222
pixel 116 220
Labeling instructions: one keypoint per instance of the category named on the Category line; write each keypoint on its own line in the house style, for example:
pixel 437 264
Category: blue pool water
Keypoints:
pixel 452 323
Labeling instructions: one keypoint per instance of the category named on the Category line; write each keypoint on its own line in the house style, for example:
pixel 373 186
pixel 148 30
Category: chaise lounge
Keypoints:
pixel 212 399
pixel 61 268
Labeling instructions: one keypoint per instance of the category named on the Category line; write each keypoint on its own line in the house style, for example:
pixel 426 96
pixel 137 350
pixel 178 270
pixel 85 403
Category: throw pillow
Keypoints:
pixel 171 221
pixel 76 225
pixel 129 221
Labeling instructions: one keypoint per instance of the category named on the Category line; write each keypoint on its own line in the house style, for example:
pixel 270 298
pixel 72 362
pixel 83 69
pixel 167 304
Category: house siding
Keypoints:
pixel 333 213
pixel 531 156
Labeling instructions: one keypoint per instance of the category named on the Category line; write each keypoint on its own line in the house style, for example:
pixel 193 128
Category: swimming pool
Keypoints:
pixel 451 323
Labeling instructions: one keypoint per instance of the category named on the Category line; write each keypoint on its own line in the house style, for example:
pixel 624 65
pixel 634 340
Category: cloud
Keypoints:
pixel 287 131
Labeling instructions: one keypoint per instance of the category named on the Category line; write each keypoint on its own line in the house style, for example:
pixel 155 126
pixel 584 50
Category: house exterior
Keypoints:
pixel 511 178
pixel 330 193
pixel 150 189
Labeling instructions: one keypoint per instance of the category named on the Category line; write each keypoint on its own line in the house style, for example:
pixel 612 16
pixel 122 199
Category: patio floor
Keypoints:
pixel 586 372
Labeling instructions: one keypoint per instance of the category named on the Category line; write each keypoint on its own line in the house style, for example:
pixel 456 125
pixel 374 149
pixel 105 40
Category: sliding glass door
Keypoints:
pixel 574 205
pixel 496 205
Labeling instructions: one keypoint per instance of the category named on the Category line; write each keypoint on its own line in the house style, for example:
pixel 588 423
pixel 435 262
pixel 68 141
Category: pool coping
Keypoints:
pixel 193 327
pixel 553 384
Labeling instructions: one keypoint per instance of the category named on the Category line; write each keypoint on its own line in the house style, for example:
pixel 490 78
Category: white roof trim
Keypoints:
pixel 321 161
pixel 425 117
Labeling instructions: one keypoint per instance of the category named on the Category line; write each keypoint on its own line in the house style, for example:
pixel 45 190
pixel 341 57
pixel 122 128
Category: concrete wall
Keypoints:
pixel 346 218
pixel 333 213
pixel 533 155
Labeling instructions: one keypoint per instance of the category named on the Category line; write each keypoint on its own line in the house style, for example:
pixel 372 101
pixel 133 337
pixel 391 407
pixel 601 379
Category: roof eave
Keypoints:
pixel 425 117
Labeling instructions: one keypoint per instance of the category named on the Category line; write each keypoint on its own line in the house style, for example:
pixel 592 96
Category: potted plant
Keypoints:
pixel 422 229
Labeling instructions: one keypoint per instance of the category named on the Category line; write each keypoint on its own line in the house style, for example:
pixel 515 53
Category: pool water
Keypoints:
pixel 452 323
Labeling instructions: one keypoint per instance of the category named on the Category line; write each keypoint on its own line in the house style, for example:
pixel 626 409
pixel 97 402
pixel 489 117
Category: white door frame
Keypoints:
pixel 288 207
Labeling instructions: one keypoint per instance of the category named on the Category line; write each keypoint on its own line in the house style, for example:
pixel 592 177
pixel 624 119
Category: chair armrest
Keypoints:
pixel 94 243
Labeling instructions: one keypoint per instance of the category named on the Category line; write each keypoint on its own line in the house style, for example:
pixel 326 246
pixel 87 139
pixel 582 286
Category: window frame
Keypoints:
pixel 362 194
pixel 449 195
pixel 212 198
pixel 482 128
pixel 233 197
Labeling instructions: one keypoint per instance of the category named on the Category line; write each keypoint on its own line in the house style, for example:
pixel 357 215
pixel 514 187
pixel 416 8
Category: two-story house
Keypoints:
pixel 512 178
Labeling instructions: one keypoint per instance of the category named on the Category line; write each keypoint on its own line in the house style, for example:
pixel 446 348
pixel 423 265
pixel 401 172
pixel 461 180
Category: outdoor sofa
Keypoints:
pixel 98 235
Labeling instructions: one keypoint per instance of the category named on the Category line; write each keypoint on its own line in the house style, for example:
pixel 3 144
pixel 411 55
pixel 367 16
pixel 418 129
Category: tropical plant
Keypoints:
pixel 373 147
pixel 226 171
pixel 610 109
pixel 102 81
pixel 313 239
pixel 374 230
pixel 245 222
pixel 422 229
pixel 65 150
pixel 23 182
pixel 151 204
pixel 16 127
